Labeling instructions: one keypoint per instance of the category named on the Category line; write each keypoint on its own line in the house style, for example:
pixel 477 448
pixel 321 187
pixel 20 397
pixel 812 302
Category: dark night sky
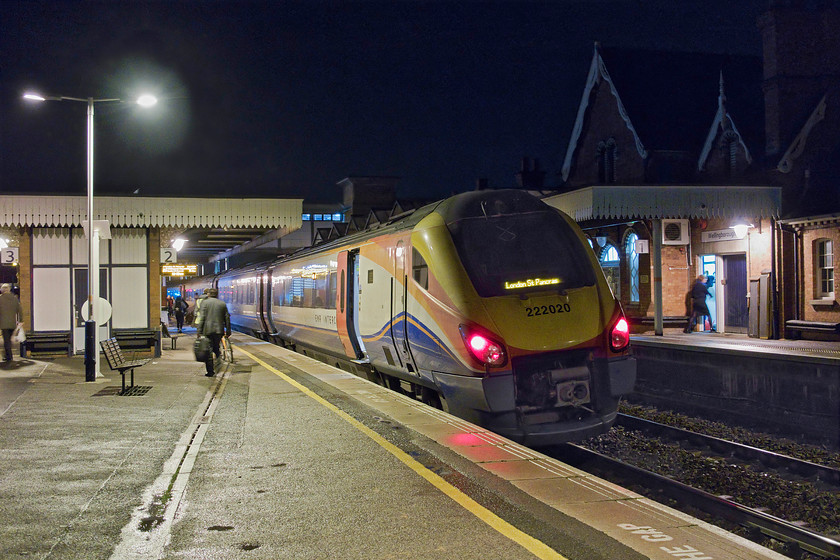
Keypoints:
pixel 284 99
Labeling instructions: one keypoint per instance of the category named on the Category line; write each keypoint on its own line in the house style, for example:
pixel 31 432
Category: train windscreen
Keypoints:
pixel 506 254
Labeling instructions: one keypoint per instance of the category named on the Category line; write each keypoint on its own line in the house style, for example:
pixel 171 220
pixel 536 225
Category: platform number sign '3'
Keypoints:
pixel 9 255
pixel 168 255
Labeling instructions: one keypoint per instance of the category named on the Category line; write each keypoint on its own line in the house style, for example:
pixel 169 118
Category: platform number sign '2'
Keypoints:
pixel 9 255
pixel 168 255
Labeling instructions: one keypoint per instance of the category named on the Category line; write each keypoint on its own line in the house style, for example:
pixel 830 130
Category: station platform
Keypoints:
pixel 281 456
pixel 741 343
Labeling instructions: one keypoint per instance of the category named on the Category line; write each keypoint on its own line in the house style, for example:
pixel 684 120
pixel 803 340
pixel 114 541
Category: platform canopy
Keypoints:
pixel 210 225
pixel 661 201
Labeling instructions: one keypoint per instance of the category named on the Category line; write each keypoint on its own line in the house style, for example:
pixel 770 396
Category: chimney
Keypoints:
pixel 530 175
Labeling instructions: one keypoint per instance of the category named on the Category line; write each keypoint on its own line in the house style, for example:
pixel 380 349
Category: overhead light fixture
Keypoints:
pixel 740 228
pixel 178 244
pixel 3 243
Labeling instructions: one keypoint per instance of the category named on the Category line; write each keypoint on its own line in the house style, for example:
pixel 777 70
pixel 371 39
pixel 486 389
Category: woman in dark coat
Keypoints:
pixel 180 309
pixel 699 293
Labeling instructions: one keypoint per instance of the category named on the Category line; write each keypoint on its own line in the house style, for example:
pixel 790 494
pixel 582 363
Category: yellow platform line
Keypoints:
pixel 535 546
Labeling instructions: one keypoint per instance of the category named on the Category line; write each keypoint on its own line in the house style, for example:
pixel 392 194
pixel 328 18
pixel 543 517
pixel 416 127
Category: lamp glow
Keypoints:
pixel 741 229
pixel 178 244
pixel 147 100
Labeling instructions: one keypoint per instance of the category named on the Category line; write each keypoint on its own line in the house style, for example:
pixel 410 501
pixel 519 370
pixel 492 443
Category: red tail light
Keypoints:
pixel 485 349
pixel 620 335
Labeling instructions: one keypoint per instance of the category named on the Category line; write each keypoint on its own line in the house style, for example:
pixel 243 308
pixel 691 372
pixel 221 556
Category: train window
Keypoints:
pixel 277 291
pixel 331 291
pixel 320 289
pixel 341 291
pixel 370 276
pixel 419 269
pixel 505 248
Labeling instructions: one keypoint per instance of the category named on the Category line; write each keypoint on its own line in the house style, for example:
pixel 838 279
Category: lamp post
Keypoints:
pixel 91 330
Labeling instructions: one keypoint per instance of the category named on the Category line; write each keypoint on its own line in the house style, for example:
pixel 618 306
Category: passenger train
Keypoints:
pixel 489 304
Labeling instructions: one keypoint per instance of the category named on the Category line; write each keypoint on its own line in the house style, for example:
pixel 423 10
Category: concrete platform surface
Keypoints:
pixel 280 456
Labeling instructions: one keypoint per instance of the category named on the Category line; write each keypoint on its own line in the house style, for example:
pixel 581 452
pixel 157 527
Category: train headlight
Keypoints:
pixel 620 335
pixel 486 350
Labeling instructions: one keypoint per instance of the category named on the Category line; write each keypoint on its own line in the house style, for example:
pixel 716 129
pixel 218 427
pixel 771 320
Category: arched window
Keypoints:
pixel 606 161
pixel 610 264
pixel 632 265
pixel 729 149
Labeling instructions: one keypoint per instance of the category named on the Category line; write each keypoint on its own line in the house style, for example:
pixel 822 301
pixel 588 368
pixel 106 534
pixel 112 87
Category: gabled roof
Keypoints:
pixel 668 99
pixel 671 201
pixel 722 123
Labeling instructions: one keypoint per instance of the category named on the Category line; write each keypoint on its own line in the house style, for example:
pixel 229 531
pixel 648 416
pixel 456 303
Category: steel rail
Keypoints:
pixel 716 506
pixel 734 449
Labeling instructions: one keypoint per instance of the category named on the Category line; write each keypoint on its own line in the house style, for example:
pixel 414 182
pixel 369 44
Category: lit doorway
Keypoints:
pixel 708 267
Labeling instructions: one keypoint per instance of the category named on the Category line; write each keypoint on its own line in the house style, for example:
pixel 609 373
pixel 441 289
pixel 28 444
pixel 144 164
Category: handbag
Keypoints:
pixel 202 349
pixel 19 336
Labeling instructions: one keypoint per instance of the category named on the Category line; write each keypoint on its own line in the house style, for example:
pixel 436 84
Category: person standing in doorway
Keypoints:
pixel 11 315
pixel 214 323
pixel 699 309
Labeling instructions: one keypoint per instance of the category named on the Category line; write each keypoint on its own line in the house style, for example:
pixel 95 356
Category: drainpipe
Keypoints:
pixel 657 276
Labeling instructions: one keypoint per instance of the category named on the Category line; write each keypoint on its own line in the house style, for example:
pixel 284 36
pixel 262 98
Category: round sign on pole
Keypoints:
pixel 102 311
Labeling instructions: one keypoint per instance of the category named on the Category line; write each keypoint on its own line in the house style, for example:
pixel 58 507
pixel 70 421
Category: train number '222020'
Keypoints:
pixel 547 309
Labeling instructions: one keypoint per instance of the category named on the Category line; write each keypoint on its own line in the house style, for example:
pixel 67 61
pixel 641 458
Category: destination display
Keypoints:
pixel 178 269
pixel 531 282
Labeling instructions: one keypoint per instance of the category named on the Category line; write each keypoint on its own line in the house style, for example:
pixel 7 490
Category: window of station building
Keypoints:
pixel 306 217
pixel 610 265
pixel 824 260
pixel 606 162
pixel 317 217
pixel 338 217
pixel 632 265
pixel 419 269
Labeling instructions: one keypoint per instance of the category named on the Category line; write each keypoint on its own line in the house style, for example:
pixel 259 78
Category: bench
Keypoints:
pixel 47 342
pixel 138 339
pixel 117 362
pixel 796 327
pixel 173 338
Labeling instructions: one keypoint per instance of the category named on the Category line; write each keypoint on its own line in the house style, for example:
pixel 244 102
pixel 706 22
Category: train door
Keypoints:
pixel 734 282
pixel 263 299
pixel 399 316
pixel 346 306
pixel 268 300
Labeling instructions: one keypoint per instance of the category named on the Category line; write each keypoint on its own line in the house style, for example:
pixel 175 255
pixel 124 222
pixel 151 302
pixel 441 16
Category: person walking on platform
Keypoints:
pixel 214 322
pixel 699 309
pixel 198 300
pixel 11 315
pixel 181 307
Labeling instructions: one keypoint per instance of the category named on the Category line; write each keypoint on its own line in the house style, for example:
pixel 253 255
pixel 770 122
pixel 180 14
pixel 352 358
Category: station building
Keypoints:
pixel 686 146
pixel 49 252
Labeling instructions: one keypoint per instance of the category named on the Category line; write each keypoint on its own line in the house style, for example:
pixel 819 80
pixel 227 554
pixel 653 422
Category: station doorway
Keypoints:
pixel 728 304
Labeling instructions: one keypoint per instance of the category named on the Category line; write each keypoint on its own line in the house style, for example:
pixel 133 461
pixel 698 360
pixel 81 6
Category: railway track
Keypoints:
pixel 796 538
pixel 768 459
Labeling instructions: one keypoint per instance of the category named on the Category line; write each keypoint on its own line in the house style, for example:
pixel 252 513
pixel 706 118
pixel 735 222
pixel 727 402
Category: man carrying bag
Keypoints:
pixel 11 316
pixel 214 323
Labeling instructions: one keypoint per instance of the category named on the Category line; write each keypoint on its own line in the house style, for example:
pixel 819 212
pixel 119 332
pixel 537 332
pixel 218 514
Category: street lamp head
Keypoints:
pixel 146 100
pixel 34 97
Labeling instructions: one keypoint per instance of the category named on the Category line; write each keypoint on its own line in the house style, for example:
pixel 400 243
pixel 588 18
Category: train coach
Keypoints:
pixel 489 304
